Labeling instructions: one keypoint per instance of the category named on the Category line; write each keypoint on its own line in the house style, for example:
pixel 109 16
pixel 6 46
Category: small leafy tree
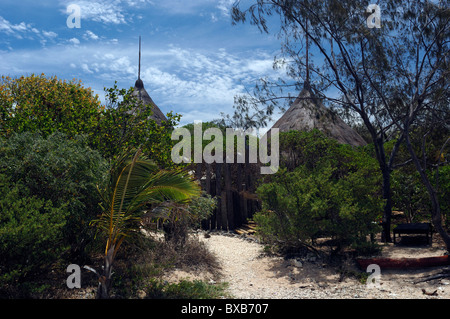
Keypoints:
pixel 126 123
pixel 331 192
pixel 47 104
pixel 136 186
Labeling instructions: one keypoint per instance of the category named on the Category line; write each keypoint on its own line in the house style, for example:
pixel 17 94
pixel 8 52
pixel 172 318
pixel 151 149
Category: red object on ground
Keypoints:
pixel 404 263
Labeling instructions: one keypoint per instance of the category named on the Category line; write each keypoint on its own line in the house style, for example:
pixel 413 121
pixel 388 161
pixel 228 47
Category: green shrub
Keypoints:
pixel 31 231
pixel 47 104
pixel 201 208
pixel 62 171
pixel 409 195
pixel 185 289
pixel 332 191
pixel 179 219
pixel 444 191
pixel 122 127
pixel 38 103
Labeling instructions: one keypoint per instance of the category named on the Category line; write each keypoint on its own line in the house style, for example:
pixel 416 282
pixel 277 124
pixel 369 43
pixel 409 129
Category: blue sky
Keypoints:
pixel 194 61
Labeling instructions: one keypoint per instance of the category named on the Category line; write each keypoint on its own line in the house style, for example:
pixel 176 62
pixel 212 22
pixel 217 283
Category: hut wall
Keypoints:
pixel 235 204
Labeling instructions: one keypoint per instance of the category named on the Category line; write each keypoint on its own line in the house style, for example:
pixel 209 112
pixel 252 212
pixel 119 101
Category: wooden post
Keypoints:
pixel 219 195
pixel 212 192
pixel 239 178
pixel 238 218
pixel 223 211
pixel 208 179
pixel 229 197
pixel 209 225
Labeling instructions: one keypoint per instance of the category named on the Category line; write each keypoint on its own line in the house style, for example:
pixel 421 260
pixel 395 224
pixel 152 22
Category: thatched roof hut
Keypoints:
pixel 142 95
pixel 307 113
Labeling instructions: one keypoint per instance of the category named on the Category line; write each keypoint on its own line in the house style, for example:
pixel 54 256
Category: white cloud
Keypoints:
pixel 105 11
pixel 25 30
pixel 197 84
pixel 86 69
pixel 89 35
pixel 202 82
pixel 74 41
pixel 13 29
pixel 49 34
pixel 99 10
pixel 225 6
pixel 138 3
pixel 183 6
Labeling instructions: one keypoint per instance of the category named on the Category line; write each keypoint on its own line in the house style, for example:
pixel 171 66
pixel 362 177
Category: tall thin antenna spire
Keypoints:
pixel 139 72
pixel 307 54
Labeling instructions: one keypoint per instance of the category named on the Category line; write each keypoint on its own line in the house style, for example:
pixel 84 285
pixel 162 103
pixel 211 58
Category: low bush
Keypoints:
pixel 180 219
pixel 330 194
pixel 31 232
pixel 62 172
pixel 185 289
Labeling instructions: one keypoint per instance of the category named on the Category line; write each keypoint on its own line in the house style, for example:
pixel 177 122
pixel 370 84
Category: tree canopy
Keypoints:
pixel 388 78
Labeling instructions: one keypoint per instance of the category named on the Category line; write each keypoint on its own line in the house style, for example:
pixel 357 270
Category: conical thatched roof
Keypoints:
pixel 308 113
pixel 142 95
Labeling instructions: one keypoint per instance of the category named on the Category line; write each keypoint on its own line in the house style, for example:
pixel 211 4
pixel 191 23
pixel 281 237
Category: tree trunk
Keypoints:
pixel 387 212
pixel 386 188
pixel 104 284
pixel 103 288
pixel 105 280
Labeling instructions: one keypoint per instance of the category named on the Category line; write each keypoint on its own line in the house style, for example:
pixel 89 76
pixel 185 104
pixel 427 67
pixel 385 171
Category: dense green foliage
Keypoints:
pixel 31 232
pixel 125 123
pixel 201 208
pixel 47 104
pixel 410 195
pixel 61 170
pixel 50 187
pixel 178 220
pixel 332 191
pixel 38 103
pixel 57 145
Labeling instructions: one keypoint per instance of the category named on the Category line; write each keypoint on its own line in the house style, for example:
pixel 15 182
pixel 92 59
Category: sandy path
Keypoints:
pixel 252 276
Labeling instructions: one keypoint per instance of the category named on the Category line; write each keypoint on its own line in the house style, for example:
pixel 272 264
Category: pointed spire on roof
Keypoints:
pixel 139 84
pixel 307 54
pixel 139 72
pixel 143 96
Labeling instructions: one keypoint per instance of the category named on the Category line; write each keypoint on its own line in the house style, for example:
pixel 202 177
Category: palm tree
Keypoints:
pixel 134 185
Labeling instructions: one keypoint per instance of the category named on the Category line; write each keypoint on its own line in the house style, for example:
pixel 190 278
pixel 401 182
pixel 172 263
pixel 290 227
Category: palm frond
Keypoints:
pixel 135 184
